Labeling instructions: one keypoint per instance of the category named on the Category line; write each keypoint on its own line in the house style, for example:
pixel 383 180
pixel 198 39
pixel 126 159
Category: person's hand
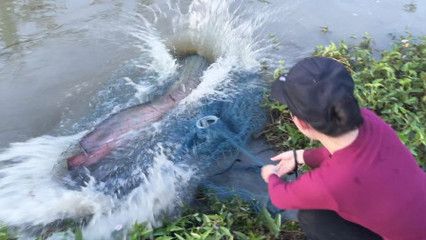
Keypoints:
pixel 286 161
pixel 267 171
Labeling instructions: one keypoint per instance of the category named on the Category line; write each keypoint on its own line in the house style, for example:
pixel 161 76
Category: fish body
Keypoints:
pixel 115 130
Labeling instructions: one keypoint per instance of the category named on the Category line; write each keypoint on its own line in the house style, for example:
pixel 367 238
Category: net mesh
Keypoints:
pixel 207 151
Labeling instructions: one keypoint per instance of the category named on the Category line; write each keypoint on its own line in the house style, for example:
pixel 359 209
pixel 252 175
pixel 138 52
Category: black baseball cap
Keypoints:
pixel 312 86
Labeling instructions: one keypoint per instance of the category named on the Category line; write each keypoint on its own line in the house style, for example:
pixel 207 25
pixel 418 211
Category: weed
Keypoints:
pixel 325 29
pixel 4 235
pixel 410 7
pixel 231 218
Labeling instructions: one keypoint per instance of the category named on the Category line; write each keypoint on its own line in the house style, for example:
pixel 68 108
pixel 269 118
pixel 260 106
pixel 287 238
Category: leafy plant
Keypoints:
pixel 4 235
pixel 281 131
pixel 280 69
pixel 218 219
pixel 273 224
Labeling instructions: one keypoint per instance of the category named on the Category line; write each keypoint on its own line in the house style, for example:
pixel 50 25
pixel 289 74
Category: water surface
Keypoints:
pixel 54 55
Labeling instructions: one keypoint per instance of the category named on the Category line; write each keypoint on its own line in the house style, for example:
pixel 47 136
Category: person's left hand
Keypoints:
pixel 267 171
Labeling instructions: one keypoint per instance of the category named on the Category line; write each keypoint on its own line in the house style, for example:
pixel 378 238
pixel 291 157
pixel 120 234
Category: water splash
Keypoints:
pixel 229 39
pixel 31 196
pixel 29 192
pixel 161 61
pixel 160 193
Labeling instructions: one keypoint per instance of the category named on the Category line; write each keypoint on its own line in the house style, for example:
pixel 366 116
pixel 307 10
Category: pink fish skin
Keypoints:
pixel 113 131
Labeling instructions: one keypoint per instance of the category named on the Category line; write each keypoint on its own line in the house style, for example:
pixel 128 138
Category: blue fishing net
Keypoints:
pixel 209 151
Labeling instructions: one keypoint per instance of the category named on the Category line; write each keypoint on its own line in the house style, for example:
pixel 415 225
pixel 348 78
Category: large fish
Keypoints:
pixel 114 131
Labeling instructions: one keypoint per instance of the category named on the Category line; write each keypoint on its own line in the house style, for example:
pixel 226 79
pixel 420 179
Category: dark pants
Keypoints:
pixel 328 225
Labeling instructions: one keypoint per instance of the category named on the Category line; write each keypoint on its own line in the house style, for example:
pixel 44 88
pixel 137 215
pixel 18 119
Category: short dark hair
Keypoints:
pixel 319 91
pixel 342 116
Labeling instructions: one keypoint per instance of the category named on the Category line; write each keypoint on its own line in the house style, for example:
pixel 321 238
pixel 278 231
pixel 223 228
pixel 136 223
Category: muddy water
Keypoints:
pixel 54 55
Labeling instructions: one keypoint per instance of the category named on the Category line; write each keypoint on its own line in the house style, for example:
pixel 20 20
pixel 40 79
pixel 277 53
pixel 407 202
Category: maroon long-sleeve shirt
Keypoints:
pixel 374 182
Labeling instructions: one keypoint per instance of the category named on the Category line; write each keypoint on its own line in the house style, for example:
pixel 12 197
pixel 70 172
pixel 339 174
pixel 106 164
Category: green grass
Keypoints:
pixel 4 235
pixel 221 219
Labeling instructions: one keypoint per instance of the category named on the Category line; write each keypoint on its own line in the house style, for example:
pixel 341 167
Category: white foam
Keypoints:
pixel 142 89
pixel 210 29
pixel 159 193
pixel 216 75
pixel 28 192
pixel 30 195
pixel 162 62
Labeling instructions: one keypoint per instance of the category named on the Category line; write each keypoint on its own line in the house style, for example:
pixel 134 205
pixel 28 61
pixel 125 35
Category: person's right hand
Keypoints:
pixel 286 161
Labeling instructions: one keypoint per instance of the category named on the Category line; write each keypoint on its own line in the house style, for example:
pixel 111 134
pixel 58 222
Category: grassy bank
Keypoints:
pixel 212 218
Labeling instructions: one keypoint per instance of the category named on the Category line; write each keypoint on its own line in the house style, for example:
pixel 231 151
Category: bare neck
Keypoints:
pixel 334 144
